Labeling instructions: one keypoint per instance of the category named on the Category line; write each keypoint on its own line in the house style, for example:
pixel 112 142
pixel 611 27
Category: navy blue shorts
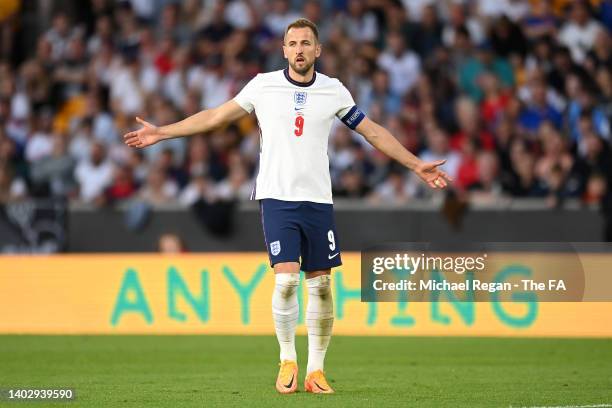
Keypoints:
pixel 294 229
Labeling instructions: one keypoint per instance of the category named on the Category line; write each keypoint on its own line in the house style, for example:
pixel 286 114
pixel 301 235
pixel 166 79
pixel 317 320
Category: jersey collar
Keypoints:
pixel 302 84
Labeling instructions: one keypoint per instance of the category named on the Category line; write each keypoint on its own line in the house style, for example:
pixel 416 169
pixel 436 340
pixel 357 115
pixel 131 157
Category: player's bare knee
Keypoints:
pixel 287 267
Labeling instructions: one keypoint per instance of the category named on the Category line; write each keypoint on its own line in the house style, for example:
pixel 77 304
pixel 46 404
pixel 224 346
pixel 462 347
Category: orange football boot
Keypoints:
pixel 316 383
pixel 287 380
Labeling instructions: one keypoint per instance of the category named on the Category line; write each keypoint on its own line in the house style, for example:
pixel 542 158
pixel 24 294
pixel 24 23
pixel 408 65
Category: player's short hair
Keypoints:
pixel 302 23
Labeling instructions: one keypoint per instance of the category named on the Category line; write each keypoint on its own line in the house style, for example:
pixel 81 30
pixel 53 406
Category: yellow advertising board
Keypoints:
pixel 230 293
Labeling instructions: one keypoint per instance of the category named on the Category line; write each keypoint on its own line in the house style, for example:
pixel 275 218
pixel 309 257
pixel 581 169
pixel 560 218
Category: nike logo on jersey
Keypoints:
pixel 333 256
pixel 297 109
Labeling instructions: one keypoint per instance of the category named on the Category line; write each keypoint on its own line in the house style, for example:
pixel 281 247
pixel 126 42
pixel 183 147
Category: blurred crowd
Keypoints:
pixel 515 95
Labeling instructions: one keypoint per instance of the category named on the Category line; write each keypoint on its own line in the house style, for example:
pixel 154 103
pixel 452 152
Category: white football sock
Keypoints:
pixel 319 320
pixel 285 312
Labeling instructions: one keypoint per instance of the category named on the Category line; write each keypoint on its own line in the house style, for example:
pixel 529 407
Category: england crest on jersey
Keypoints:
pixel 300 98
pixel 275 248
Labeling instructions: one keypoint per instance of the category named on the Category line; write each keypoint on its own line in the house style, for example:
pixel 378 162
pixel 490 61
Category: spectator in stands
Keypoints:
pixel 167 164
pixel 481 61
pixel 171 244
pixel 40 143
pixel 394 189
pixel 495 99
pixel 236 186
pixel 583 114
pixel 94 174
pixel 341 154
pixel 467 172
pixel 604 83
pixel 522 180
pixel 402 65
pixel 580 31
pixel 159 189
pixel 59 35
pixel 11 188
pixel 54 175
pixel 596 189
pixel 554 168
pixel 351 184
pixel 427 35
pixel 470 126
pixel 488 189
pixel 459 20
pixel 539 109
pixel 540 22
pixel 70 74
pixel 601 53
pixel 360 24
pixel 507 38
pixel 82 140
pixel 493 75
pixel 122 187
pixel 199 189
pixel 596 158
pixel 381 95
pixel 279 17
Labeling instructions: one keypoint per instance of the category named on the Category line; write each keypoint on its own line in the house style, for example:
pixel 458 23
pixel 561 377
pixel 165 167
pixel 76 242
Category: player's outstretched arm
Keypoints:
pixel 380 138
pixel 202 121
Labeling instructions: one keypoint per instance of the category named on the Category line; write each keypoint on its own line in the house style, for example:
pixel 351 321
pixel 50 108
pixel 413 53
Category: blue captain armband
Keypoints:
pixel 353 117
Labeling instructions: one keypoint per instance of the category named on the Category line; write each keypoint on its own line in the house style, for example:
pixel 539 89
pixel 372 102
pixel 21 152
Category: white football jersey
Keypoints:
pixel 295 120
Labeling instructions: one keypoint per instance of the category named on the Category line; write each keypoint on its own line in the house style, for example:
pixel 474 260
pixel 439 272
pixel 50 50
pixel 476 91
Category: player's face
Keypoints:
pixel 301 49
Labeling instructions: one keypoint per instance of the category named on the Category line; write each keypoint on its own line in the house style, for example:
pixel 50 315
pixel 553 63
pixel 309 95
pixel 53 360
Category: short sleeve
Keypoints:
pixel 246 97
pixel 345 101
pixel 347 111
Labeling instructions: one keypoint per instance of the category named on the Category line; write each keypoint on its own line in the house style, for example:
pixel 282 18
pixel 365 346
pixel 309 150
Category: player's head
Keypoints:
pixel 301 45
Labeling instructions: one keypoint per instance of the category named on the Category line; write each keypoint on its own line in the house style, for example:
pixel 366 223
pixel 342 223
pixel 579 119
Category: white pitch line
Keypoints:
pixel 577 406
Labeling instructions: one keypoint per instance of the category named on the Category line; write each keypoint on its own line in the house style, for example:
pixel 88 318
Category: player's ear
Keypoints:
pixel 284 50
pixel 318 50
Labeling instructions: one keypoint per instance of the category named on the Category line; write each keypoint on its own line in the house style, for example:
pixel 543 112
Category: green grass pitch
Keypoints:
pixel 205 371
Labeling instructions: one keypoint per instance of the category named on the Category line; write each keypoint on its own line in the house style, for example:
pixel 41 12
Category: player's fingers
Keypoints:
pixel 446 176
pixel 129 135
pixel 432 184
pixel 439 162
pixel 131 139
pixel 440 182
pixel 143 122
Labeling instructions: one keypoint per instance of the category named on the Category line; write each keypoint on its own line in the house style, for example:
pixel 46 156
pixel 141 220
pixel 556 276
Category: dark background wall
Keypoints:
pixel 357 229
pixel 51 226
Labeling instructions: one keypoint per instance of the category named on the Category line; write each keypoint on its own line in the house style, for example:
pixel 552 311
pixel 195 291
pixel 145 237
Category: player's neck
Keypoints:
pixel 303 79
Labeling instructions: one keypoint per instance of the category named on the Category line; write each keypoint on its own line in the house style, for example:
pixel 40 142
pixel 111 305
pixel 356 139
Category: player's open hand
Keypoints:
pixel 147 135
pixel 432 175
